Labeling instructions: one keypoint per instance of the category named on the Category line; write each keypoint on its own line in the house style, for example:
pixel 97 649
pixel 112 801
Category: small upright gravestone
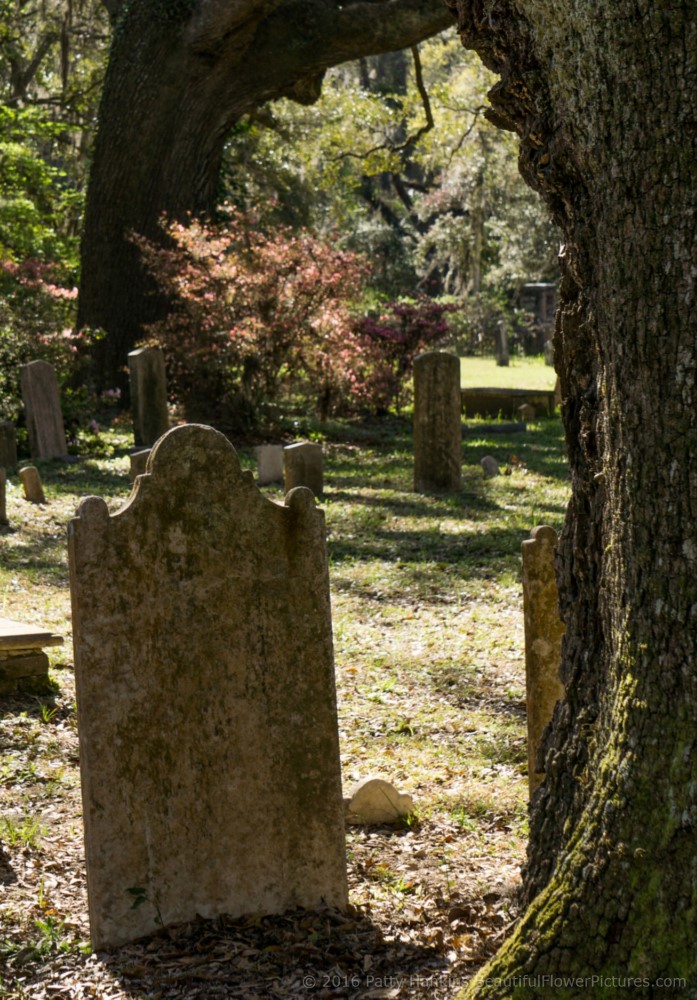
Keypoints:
pixel 148 395
pixel 302 466
pixel 269 463
pixel 43 410
pixel 490 466
pixel 209 746
pixel 8 445
pixel 437 423
pixel 31 483
pixel 543 635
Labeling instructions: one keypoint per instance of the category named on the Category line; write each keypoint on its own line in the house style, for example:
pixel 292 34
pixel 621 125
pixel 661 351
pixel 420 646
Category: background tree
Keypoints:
pixel 180 76
pixel 603 99
pixel 415 178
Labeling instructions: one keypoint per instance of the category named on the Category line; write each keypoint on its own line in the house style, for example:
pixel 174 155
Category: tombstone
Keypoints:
pixel 549 352
pixel 209 746
pixel 437 426
pixel 139 460
pixel 23 663
pixel 302 466
pixel 376 801
pixel 503 354
pixel 527 412
pixel 269 463
pixel 8 445
pixel 148 395
pixel 543 635
pixel 3 499
pixel 31 481
pixel 490 466
pixel 43 410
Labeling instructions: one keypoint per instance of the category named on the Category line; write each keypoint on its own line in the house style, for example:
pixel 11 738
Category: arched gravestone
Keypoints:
pixel 206 700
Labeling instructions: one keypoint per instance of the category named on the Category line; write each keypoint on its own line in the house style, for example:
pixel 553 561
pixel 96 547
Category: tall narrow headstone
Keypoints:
pixel 31 482
pixel 302 466
pixel 269 463
pixel 503 354
pixel 3 500
pixel 43 410
pixel 437 423
pixel 148 395
pixel 209 744
pixel 543 634
pixel 8 445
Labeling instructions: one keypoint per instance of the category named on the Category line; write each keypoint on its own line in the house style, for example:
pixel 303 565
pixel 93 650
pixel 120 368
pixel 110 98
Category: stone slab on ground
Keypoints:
pixel 492 402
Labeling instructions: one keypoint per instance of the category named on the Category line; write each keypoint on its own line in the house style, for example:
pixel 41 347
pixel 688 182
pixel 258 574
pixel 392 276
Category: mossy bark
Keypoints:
pixel 604 99
pixel 180 75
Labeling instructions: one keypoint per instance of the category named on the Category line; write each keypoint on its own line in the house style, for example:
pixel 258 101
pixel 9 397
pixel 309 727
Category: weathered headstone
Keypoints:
pixel 148 394
pixel 302 466
pixel 8 445
pixel 269 463
pixel 503 354
pixel 3 499
pixel 437 423
pixel 490 466
pixel 209 744
pixel 23 663
pixel 377 801
pixel 138 462
pixel 31 482
pixel 527 412
pixel 43 410
pixel 543 635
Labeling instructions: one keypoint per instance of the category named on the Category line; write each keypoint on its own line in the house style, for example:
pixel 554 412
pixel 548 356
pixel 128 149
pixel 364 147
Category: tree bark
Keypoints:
pixel 179 76
pixel 604 99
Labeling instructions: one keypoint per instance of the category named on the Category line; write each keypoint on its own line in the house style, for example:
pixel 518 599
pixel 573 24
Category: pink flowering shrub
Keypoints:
pixel 390 341
pixel 255 318
pixel 37 313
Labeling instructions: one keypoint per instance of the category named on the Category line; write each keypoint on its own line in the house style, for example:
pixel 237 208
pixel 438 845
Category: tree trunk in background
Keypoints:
pixel 604 98
pixel 179 76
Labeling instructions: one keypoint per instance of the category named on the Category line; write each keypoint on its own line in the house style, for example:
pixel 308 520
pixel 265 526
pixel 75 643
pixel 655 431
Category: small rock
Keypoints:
pixel 376 801
pixel 490 466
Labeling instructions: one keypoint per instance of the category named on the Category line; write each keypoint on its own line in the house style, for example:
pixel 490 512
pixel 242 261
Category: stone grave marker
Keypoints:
pixel 437 425
pixel 209 744
pixel 43 410
pixel 302 466
pixel 543 635
pixel 31 483
pixel 148 395
pixel 269 463
pixel 23 663
pixel 8 445
pixel 490 466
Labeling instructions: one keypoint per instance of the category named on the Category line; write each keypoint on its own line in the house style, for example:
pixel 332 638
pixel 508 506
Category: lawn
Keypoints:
pixel 521 373
pixel 428 631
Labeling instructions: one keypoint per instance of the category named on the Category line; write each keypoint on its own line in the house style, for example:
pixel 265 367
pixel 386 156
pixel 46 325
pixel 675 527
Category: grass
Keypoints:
pixel 428 635
pixel 521 373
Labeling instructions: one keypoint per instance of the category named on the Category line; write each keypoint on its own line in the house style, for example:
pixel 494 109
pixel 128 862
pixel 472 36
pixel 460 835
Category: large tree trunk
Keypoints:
pixel 179 76
pixel 604 98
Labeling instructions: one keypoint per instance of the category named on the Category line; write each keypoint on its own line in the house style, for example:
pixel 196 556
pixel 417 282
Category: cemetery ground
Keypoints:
pixel 428 634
